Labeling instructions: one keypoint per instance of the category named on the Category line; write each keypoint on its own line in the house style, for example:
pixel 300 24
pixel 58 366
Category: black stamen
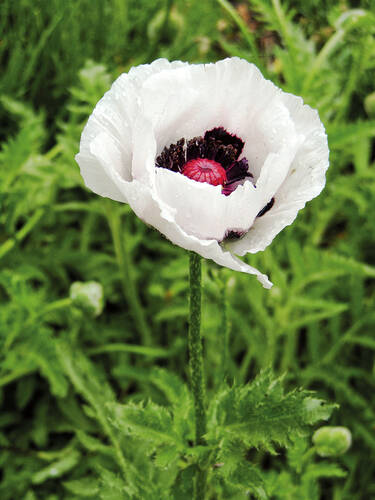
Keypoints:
pixel 195 149
pixel 266 208
pixel 222 146
pixel 238 171
pixel 172 158
pixel 220 135
pixel 233 235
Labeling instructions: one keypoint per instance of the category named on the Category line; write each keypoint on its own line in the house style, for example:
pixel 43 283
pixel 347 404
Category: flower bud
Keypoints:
pixel 88 296
pixel 331 441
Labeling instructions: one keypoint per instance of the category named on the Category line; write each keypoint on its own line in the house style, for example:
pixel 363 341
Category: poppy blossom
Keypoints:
pixel 214 156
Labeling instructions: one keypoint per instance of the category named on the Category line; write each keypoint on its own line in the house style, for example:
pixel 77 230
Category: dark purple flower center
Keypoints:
pixel 212 158
pixel 219 150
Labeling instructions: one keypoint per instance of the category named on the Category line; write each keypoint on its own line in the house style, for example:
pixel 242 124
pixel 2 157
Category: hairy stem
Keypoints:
pixel 196 365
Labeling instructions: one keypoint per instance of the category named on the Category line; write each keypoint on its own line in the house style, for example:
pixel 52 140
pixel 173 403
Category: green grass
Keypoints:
pixel 63 372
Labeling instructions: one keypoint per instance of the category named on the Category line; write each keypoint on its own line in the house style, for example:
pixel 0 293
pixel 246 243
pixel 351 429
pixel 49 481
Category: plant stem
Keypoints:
pixel 196 365
pixel 125 265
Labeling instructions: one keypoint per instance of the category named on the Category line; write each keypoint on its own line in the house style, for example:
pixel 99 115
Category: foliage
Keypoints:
pixel 97 407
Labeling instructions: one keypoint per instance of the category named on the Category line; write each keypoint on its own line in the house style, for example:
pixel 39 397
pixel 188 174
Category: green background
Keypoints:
pixel 58 364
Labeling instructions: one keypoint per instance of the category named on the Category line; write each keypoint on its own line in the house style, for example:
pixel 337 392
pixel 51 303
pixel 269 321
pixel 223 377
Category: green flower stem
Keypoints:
pixel 125 265
pixel 56 305
pixel 196 365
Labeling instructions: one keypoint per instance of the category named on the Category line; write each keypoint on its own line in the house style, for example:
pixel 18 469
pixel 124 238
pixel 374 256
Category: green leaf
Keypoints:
pixel 42 349
pixel 58 468
pixel 172 386
pixel 324 469
pixel 166 456
pixel 261 414
pixel 113 487
pixel 149 422
pixel 316 410
pixel 178 395
pixel 93 444
pixel 84 487
pixel 244 476
pixel 183 488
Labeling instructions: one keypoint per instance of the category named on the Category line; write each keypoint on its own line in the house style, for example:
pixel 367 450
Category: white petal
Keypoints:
pixel 152 211
pixel 231 93
pixel 202 210
pixel 101 167
pixel 115 115
pixel 305 179
pixel 144 151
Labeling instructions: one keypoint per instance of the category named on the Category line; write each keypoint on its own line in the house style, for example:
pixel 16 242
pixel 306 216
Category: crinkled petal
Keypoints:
pixel 116 115
pixel 189 100
pixel 202 210
pixel 152 211
pixel 232 93
pixel 305 179
pixel 101 166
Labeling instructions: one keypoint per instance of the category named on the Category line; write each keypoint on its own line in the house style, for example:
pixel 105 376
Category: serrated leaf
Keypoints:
pixel 172 386
pixel 316 410
pixel 244 476
pixel 149 422
pixel 260 414
pixel 166 456
pixel 178 395
pixel 112 487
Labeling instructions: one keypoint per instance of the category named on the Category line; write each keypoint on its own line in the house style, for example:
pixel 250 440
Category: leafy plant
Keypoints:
pixel 93 407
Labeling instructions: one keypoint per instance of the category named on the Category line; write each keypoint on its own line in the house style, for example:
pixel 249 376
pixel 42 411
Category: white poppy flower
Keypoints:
pixel 214 156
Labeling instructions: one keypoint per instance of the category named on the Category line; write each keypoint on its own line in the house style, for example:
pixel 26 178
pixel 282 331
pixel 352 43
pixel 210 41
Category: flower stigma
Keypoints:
pixel 204 170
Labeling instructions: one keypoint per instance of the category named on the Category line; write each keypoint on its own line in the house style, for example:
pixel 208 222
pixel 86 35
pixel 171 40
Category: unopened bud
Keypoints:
pixel 88 296
pixel 331 441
